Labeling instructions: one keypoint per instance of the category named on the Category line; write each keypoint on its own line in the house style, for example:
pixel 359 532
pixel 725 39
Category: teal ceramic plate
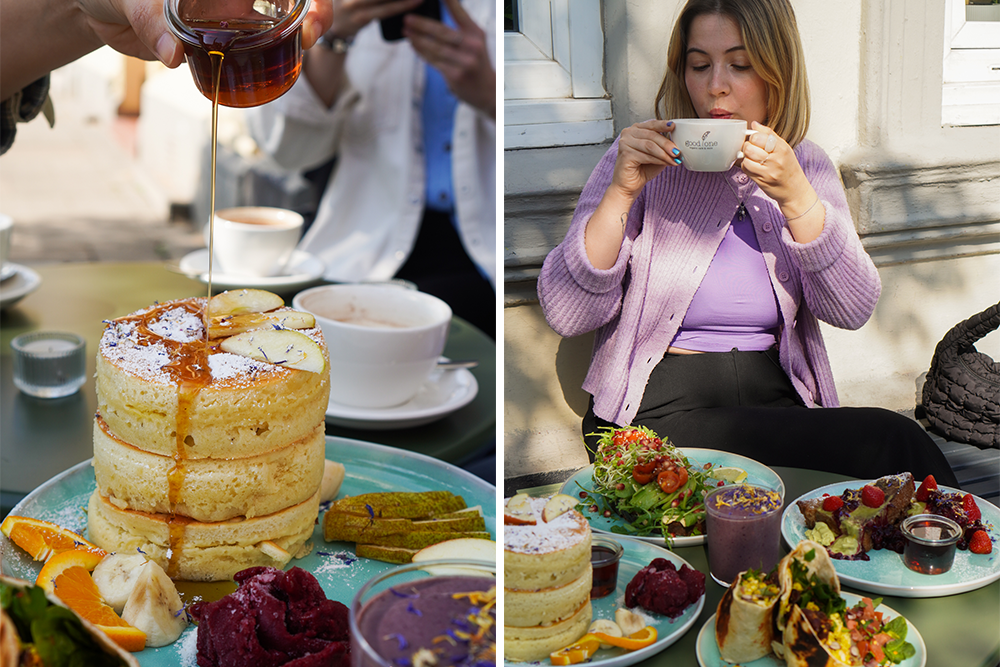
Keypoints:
pixel 637 555
pixel 757 473
pixel 370 467
pixel 885 573
pixel 708 650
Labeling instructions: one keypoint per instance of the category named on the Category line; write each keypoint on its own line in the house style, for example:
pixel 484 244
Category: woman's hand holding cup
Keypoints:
pixel 644 151
pixel 771 163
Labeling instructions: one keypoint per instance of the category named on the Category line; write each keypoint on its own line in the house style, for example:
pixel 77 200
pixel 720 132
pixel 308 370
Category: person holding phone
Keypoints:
pixel 706 289
pixel 412 123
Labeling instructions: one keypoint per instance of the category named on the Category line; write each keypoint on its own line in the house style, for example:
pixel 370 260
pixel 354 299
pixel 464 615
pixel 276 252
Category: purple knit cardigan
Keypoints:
pixel 673 231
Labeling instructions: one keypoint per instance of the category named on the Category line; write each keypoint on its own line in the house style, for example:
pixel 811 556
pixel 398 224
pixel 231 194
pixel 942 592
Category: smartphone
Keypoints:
pixel 392 27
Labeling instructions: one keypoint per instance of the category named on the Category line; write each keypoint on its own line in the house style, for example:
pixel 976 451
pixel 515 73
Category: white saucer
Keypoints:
pixel 302 270
pixel 444 392
pixel 24 282
pixel 8 271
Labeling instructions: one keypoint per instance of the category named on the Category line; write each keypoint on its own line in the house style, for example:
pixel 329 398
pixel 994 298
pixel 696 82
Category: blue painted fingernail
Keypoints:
pixel 677 160
pixel 675 152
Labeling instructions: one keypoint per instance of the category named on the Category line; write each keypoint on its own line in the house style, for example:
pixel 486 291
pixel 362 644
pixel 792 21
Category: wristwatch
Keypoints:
pixel 334 43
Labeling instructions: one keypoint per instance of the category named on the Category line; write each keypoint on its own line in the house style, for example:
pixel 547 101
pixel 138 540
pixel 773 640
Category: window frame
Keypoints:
pixel 554 93
pixel 970 92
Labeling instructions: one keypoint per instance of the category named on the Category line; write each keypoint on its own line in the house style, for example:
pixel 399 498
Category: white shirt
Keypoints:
pixel 369 216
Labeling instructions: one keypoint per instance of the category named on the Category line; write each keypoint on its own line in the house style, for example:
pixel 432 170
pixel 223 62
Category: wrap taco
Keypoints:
pixel 833 635
pixel 744 627
pixel 36 628
pixel 806 572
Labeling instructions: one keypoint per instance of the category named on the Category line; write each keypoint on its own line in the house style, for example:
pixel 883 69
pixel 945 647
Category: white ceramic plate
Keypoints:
pixel 444 392
pixel 757 473
pixel 885 573
pixel 303 269
pixel 370 468
pixel 708 650
pixel 637 555
pixel 23 282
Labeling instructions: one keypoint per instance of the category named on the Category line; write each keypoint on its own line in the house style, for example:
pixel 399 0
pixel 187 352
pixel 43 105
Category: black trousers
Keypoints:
pixel 440 266
pixel 742 402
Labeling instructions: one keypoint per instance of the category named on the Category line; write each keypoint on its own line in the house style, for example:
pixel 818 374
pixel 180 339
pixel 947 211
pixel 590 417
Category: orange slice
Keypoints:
pixel 42 539
pixel 63 561
pixel 68 575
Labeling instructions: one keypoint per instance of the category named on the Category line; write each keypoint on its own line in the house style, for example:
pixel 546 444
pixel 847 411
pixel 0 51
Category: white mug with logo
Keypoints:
pixel 710 144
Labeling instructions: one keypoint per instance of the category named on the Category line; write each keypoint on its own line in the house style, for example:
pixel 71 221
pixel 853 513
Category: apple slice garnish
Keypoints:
pixel 518 512
pixel 282 347
pixel 556 506
pixel 234 302
pixel 231 325
pixel 464 548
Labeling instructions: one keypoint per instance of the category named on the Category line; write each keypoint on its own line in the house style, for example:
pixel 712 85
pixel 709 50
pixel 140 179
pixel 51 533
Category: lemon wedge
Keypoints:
pixel 728 474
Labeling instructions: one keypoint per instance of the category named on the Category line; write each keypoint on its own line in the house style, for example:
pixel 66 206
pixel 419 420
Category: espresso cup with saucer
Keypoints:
pixel 710 144
pixel 255 241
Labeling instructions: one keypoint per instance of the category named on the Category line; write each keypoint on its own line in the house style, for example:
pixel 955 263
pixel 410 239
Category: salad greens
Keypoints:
pixel 51 633
pixel 649 483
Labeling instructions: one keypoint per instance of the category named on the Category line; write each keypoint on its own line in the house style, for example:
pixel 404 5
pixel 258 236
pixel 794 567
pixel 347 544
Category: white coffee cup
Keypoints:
pixel 254 240
pixel 6 229
pixel 710 144
pixel 383 340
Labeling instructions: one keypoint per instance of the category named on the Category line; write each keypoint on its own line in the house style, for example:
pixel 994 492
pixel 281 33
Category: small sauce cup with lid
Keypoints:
pixel 604 556
pixel 930 543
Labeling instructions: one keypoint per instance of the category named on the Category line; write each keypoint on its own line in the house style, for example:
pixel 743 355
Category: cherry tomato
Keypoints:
pixel 641 478
pixel 670 480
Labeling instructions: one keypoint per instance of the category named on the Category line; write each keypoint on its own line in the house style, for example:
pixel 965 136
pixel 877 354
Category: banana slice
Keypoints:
pixel 607 627
pixel 232 325
pixel 115 577
pixel 629 621
pixel 283 347
pixel 333 477
pixel 234 302
pixel 155 607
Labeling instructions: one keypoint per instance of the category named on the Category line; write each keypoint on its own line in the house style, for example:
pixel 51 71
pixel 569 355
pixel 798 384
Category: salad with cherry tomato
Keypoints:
pixel 649 483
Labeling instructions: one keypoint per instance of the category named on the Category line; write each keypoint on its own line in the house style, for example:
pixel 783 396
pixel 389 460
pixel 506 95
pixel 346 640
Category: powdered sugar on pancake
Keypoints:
pixel 179 325
pixel 561 533
pixel 145 357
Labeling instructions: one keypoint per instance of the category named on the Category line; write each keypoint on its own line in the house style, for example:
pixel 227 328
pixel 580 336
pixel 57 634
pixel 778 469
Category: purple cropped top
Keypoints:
pixel 735 305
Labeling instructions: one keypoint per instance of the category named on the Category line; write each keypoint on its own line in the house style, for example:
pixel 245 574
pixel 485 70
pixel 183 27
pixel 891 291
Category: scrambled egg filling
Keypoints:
pixel 758 591
pixel 839 640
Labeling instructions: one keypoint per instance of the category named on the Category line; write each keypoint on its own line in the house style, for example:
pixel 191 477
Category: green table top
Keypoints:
pixel 959 630
pixel 42 437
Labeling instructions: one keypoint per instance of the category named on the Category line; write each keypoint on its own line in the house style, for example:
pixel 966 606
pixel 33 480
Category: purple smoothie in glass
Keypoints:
pixel 452 618
pixel 743 530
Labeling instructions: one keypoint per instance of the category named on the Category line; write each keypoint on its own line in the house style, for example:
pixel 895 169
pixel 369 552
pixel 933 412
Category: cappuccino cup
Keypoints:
pixel 383 340
pixel 254 240
pixel 710 144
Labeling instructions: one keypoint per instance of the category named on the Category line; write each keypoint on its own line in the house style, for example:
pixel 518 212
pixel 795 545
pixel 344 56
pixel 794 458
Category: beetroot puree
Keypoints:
pixel 273 618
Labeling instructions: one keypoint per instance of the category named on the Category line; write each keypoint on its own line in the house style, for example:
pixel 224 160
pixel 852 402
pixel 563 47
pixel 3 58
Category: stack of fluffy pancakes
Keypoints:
pixel 547 582
pixel 207 462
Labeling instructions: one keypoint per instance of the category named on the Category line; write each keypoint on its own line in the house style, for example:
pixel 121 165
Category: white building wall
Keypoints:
pixel 926 199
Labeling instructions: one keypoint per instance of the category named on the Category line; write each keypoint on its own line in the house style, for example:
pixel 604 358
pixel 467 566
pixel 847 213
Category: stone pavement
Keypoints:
pixel 77 194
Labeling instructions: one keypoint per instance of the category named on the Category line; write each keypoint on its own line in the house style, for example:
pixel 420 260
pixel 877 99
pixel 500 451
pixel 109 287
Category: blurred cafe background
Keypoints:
pixel 106 205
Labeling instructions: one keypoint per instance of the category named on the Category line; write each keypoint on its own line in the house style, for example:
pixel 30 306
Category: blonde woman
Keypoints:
pixel 706 288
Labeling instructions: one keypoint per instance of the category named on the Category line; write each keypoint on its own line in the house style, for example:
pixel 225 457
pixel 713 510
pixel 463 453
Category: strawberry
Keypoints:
pixel 980 542
pixel 929 484
pixel 972 512
pixel 872 496
pixel 832 503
